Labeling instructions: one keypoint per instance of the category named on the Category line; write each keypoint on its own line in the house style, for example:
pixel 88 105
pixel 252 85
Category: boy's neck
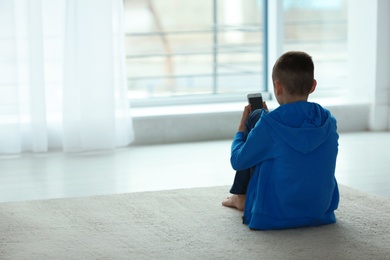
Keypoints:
pixel 287 99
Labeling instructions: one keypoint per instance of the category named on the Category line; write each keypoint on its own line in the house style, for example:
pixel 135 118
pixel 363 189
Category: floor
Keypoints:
pixel 363 163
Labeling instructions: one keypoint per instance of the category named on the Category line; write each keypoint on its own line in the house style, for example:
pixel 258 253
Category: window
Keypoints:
pixel 202 47
pixel 215 47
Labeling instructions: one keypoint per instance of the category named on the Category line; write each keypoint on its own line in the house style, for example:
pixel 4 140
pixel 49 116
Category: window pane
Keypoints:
pixel 240 46
pixel 320 29
pixel 173 47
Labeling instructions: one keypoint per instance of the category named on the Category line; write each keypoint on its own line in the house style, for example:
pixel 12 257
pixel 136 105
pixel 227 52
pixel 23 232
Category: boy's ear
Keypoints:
pixel 313 87
pixel 278 88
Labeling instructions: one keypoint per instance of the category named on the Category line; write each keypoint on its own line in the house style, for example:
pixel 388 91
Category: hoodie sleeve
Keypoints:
pixel 246 154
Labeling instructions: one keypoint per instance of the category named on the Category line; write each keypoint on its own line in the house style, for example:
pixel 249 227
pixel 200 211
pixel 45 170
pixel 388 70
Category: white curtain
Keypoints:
pixel 62 76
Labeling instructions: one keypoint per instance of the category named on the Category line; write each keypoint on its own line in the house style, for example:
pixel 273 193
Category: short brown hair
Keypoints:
pixel 295 71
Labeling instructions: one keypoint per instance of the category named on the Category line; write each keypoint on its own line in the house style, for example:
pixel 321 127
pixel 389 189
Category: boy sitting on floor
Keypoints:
pixel 285 159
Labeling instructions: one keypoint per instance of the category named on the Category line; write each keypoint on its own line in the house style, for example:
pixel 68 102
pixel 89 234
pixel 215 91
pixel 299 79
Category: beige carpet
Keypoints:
pixel 184 224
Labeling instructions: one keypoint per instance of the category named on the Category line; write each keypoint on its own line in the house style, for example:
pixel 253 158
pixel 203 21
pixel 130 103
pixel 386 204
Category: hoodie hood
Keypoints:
pixel 302 125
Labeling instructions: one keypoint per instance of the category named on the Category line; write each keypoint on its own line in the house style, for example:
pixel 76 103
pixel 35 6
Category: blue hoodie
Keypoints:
pixel 294 150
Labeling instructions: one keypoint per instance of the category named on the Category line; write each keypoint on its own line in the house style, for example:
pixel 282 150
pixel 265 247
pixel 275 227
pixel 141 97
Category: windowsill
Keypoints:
pixel 227 107
pixel 217 121
pixel 186 109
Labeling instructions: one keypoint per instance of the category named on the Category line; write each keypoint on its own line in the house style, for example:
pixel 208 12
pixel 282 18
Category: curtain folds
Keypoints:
pixel 62 76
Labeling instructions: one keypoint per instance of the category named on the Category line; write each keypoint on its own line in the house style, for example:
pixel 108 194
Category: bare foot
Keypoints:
pixel 235 201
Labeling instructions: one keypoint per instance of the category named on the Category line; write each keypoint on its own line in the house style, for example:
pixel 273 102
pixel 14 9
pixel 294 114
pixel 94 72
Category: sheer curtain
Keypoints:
pixel 62 76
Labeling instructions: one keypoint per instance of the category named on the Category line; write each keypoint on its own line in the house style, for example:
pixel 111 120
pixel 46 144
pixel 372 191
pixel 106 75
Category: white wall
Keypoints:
pixel 382 93
pixel 369 58
pixel 366 107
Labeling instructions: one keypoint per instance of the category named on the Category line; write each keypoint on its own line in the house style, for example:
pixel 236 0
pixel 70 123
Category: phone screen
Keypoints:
pixel 256 102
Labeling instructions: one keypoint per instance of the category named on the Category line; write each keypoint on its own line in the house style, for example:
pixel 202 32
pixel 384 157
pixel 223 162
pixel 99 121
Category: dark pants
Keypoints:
pixel 242 178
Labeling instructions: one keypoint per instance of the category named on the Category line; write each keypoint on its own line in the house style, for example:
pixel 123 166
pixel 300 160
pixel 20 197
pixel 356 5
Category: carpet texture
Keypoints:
pixel 184 224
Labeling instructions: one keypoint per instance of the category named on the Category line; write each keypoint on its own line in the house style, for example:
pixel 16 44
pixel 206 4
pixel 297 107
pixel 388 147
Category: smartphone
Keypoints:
pixel 256 100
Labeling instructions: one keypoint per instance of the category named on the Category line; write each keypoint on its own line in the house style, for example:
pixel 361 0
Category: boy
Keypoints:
pixel 285 159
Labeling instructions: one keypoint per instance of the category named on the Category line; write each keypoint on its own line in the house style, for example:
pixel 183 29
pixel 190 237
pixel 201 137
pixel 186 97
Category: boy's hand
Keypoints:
pixel 245 114
pixel 244 117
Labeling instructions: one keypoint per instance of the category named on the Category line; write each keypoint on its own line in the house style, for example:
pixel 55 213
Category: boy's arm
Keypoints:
pixel 246 154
